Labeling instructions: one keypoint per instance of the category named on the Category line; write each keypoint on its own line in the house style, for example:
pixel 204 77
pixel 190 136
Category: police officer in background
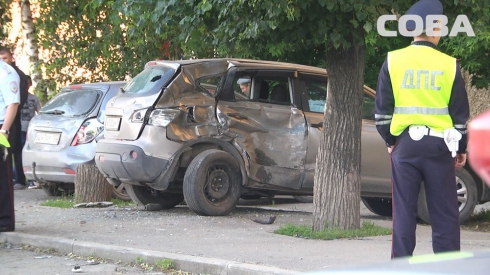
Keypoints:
pixel 9 102
pixel 421 113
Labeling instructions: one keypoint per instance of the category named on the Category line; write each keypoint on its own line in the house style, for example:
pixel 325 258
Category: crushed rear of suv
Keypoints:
pixel 186 130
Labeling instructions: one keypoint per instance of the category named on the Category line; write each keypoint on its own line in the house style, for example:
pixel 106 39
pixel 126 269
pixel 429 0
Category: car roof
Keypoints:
pixel 246 63
pixel 238 62
pixel 95 85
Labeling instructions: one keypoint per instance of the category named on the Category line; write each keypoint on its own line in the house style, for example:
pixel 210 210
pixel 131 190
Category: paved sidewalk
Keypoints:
pixel 232 244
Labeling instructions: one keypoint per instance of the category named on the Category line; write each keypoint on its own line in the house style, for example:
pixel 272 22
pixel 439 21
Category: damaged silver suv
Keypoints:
pixel 213 130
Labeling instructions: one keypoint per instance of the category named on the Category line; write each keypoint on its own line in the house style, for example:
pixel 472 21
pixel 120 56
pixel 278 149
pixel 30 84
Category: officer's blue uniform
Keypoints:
pixel 9 86
pixel 427 160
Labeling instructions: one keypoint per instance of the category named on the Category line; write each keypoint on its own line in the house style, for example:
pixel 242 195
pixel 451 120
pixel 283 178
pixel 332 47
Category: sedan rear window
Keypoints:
pixel 150 80
pixel 72 102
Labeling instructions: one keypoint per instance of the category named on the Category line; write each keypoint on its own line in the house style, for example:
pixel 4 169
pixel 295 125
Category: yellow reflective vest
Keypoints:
pixel 422 80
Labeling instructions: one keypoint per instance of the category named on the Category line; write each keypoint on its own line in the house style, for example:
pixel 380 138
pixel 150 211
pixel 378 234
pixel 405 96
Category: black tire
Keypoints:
pixel 142 195
pixel 305 199
pixel 379 206
pixel 119 192
pixel 467 197
pixel 58 189
pixel 212 183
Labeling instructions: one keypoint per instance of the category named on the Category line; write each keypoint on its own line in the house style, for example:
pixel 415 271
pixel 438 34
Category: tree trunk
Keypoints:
pixel 90 185
pixel 337 177
pixel 30 42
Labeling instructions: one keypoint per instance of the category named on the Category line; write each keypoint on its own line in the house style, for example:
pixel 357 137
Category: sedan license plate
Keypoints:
pixel 47 138
pixel 112 123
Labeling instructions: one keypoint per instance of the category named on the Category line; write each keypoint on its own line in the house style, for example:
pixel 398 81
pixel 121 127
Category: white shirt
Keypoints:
pixel 9 88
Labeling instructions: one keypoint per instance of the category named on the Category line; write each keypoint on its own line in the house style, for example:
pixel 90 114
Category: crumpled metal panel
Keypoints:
pixel 183 91
pixel 197 109
pixel 274 138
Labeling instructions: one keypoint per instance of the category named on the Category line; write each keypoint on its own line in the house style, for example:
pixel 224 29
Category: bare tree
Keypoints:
pixel 30 41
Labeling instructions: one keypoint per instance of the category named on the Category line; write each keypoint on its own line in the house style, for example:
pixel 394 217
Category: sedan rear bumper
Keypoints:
pixel 56 166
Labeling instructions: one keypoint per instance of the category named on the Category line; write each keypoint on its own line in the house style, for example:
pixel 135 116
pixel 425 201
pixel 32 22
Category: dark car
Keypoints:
pixel 64 134
pixel 184 129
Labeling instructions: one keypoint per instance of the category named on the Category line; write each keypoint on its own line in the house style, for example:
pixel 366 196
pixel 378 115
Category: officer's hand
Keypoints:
pixel 390 149
pixel 460 160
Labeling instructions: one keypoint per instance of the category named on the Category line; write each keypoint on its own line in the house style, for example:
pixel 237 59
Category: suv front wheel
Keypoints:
pixel 212 183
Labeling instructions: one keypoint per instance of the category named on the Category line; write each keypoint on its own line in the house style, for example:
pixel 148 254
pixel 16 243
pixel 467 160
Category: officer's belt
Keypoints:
pixel 433 133
pixel 423 130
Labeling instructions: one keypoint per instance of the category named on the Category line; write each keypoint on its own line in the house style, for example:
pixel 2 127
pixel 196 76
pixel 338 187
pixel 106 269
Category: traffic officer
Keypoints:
pixel 421 113
pixel 9 102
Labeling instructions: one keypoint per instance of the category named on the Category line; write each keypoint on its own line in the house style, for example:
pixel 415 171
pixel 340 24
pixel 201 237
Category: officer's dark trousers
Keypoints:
pixel 430 161
pixel 7 217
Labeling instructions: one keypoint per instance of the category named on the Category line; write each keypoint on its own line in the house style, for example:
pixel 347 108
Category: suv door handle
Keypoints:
pixel 237 115
pixel 317 125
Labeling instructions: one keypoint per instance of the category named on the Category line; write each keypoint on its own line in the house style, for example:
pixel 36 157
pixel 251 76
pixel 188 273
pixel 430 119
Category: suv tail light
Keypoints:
pixel 163 117
pixel 89 130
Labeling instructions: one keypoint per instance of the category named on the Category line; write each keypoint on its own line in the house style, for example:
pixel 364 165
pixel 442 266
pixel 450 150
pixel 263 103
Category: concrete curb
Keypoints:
pixel 194 264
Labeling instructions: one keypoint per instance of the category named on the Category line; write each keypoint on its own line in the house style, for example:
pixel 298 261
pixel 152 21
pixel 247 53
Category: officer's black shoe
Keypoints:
pixel 6 229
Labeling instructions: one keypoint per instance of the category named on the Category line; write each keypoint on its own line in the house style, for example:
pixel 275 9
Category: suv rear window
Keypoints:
pixel 72 102
pixel 149 80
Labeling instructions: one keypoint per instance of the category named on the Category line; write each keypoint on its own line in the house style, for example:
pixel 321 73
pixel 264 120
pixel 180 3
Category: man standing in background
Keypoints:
pixel 28 111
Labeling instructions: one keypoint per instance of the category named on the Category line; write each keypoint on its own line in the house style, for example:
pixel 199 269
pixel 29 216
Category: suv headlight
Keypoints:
pixel 163 117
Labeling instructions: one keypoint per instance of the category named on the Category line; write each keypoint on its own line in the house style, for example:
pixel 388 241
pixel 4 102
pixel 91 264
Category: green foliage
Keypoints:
pixel 5 19
pixel 368 229
pixel 89 42
pixel 472 52
pixel 67 202
pixel 480 216
pixel 60 203
pixel 112 40
pixel 139 260
pixel 165 264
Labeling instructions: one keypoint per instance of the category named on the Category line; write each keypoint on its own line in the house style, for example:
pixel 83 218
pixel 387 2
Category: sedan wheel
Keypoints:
pixel 119 192
pixel 58 189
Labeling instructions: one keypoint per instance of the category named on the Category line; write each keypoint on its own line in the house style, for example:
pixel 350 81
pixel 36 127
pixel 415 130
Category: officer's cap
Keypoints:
pixel 244 80
pixel 423 8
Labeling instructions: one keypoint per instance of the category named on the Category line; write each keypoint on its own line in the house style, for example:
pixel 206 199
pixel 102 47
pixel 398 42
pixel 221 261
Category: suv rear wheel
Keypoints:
pixel 379 206
pixel 212 183
pixel 145 195
pixel 467 197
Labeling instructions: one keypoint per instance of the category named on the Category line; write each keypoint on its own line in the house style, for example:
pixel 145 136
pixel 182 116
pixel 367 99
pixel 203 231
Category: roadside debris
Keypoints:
pixel 153 207
pixel 94 204
pixel 268 221
pixel 76 269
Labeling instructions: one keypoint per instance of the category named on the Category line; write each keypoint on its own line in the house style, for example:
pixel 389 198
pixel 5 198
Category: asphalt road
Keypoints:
pixel 230 241
pixel 15 260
